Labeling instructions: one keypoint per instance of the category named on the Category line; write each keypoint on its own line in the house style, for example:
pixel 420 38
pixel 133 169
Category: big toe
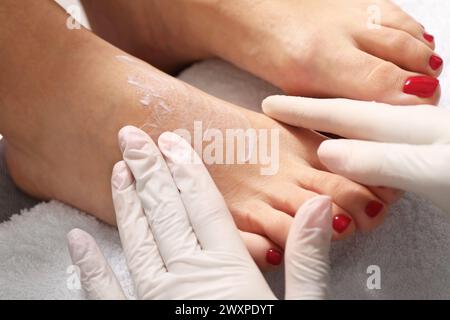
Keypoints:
pixel 375 79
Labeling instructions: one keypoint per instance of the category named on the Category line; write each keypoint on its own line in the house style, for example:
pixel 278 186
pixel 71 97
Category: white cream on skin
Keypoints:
pixel 148 88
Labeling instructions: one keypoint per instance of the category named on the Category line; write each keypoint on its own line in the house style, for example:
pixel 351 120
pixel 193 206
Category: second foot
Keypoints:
pixel 362 50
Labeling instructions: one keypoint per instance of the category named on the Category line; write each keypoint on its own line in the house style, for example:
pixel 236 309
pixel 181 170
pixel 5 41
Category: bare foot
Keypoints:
pixel 62 136
pixel 358 49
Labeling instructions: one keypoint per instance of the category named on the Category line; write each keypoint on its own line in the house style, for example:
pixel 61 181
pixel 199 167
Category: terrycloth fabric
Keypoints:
pixel 412 248
pixel 12 200
pixel 35 263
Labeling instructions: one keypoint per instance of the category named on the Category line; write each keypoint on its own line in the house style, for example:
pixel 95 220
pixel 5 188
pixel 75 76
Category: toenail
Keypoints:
pixel 421 86
pixel 341 222
pixel 428 37
pixel 374 208
pixel 436 62
pixel 274 257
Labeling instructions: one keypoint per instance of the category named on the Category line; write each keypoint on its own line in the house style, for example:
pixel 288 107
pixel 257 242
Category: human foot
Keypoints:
pixel 364 49
pixel 62 137
pixel 74 165
pixel 333 48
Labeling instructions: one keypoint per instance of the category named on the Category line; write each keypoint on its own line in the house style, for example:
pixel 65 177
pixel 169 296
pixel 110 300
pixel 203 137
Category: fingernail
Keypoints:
pixel 121 176
pixel 374 208
pixel 274 257
pixel 341 222
pixel 421 86
pixel 436 62
pixel 428 37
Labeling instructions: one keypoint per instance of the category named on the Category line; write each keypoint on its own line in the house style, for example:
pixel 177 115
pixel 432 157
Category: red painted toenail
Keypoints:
pixel 428 37
pixel 421 86
pixel 436 62
pixel 274 257
pixel 373 208
pixel 341 222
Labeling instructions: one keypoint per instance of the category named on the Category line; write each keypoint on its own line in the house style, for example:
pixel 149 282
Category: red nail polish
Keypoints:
pixel 421 86
pixel 436 62
pixel 428 37
pixel 373 208
pixel 274 257
pixel 341 222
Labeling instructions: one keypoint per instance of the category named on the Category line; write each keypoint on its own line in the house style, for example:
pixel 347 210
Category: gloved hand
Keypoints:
pixel 179 238
pixel 406 148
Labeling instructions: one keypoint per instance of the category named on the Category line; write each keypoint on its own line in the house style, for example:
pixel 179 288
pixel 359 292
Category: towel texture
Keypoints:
pixel 412 248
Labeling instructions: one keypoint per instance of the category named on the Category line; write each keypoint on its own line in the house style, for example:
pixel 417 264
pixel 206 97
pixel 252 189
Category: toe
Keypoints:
pixel 266 254
pixel 360 75
pixel 388 195
pixel 260 218
pixel 366 209
pixel 293 197
pixel 383 81
pixel 289 198
pixel 402 49
pixel 398 19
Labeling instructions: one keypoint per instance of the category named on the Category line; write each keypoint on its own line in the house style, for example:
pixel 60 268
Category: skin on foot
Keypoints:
pixel 363 49
pixel 69 155
pixel 61 115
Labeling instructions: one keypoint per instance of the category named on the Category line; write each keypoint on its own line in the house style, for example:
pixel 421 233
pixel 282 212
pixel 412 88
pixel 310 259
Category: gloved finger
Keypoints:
pixel 204 203
pixel 140 249
pixel 159 196
pixel 96 276
pixel 266 254
pixel 363 120
pixel 407 167
pixel 307 251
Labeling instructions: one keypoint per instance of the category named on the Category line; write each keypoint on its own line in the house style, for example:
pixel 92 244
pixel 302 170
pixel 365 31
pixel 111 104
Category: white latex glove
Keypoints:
pixel 405 147
pixel 179 238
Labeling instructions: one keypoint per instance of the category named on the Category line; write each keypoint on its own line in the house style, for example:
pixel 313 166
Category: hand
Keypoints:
pixel 179 238
pixel 406 148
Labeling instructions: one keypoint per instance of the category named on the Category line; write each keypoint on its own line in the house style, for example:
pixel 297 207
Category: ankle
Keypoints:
pixel 158 32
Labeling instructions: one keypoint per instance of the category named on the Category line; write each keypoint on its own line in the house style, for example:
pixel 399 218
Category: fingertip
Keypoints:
pixel 268 100
pixel 121 177
pixel 331 153
pixel 131 137
pixel 314 213
pixel 74 234
pixel 176 149
pixel 168 140
pixel 79 243
pixel 273 105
